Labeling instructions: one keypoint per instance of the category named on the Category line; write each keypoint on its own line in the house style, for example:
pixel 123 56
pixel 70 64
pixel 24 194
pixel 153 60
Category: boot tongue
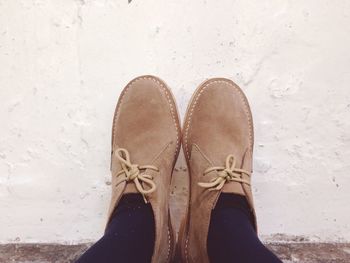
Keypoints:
pixel 130 188
pixel 233 187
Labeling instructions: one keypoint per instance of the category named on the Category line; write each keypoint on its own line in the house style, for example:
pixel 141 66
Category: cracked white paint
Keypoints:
pixel 63 64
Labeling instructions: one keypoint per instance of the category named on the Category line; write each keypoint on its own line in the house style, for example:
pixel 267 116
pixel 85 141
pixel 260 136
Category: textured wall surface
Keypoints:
pixel 63 64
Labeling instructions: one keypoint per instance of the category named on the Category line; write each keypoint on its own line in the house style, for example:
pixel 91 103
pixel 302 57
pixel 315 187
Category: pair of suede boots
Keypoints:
pixel 217 138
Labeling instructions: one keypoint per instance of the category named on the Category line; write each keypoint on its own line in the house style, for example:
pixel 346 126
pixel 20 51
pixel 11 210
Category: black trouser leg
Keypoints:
pixel 231 235
pixel 129 237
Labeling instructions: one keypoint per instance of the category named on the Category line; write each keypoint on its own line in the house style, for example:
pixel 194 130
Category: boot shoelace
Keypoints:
pixel 225 174
pixel 132 172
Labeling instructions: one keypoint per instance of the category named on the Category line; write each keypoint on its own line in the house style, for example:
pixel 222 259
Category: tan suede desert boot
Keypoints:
pixel 145 145
pixel 218 146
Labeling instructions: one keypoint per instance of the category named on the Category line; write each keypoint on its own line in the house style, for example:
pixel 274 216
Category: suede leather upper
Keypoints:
pixel 218 123
pixel 146 125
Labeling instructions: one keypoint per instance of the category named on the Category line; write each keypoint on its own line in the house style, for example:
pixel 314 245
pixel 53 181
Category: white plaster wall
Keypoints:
pixel 63 64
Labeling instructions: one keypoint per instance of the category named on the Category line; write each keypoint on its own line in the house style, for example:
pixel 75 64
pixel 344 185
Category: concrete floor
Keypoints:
pixel 288 252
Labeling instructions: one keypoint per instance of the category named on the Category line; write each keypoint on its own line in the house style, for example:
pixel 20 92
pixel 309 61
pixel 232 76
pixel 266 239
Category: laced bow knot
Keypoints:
pixel 225 174
pixel 132 172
